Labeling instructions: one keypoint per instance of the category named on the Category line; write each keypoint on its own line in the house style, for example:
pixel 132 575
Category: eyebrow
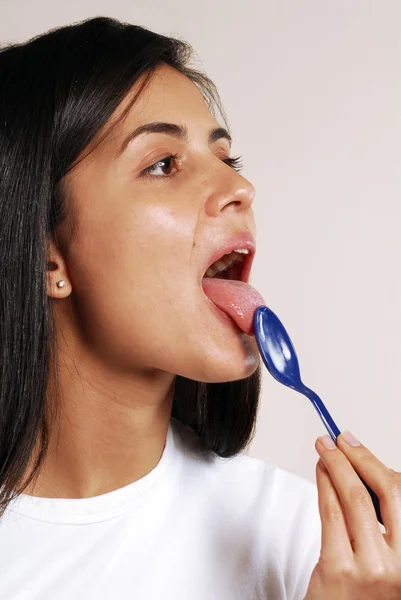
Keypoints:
pixel 177 131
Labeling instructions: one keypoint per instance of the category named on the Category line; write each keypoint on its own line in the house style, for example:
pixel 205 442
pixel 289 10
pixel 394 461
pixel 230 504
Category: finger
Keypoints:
pixel 385 482
pixel 359 512
pixel 336 544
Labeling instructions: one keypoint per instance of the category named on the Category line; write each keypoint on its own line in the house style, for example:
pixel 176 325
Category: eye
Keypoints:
pixel 161 168
pixel 235 162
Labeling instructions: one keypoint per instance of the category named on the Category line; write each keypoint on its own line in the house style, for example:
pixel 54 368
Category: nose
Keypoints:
pixel 228 191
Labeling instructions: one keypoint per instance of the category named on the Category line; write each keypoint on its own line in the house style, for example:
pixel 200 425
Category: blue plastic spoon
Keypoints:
pixel 279 356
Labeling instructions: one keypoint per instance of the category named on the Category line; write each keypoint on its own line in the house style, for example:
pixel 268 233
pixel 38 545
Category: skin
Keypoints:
pixel 132 315
pixel 357 560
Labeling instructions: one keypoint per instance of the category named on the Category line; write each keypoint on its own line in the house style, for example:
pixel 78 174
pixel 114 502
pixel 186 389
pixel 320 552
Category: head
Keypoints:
pixel 116 176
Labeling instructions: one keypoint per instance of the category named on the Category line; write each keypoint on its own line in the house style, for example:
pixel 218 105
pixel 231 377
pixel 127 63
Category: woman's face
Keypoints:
pixel 144 240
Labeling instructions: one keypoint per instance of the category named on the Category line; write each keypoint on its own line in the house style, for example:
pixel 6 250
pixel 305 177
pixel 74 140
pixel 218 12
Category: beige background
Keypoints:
pixel 313 94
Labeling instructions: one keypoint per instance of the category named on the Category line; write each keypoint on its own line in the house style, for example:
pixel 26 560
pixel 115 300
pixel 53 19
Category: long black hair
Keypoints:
pixel 57 91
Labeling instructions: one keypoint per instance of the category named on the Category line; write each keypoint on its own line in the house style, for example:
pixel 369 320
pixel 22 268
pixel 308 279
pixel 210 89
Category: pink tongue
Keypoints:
pixel 236 298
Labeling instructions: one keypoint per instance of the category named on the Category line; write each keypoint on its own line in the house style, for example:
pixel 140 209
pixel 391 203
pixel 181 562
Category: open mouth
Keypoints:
pixel 225 284
pixel 234 265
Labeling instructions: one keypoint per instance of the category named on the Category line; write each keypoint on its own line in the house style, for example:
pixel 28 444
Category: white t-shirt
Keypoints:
pixel 192 529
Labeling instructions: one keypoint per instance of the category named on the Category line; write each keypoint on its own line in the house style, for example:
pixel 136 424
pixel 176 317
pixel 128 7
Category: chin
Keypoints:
pixel 231 368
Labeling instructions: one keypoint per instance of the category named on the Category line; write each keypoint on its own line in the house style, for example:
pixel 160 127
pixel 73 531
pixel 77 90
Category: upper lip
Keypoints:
pixel 235 241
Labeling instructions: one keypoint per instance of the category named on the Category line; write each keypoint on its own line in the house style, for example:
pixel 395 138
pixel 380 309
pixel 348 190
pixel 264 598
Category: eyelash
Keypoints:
pixel 235 162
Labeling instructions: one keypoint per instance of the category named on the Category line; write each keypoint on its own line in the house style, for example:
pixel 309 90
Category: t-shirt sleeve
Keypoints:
pixel 310 552
pixel 300 523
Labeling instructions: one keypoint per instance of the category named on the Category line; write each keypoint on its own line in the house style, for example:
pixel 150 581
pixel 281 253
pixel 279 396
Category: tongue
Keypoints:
pixel 236 298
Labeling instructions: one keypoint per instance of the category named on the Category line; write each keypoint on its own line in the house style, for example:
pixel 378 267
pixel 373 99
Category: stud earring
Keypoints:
pixel 61 283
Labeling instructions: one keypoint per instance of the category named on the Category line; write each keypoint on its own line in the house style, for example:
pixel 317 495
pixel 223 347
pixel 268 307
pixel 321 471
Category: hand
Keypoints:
pixel 357 561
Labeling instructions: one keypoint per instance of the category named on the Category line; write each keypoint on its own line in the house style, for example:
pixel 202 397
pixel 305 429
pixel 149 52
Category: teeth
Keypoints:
pixel 221 264
pixel 226 261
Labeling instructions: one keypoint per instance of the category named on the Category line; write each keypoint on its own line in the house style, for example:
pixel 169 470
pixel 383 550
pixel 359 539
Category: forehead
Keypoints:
pixel 169 96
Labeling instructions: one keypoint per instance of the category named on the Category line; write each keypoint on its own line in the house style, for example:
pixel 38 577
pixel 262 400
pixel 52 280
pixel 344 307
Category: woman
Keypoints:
pixel 127 396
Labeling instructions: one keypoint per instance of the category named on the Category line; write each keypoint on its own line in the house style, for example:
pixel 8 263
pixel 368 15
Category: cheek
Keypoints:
pixel 155 245
pixel 149 239
pixel 132 271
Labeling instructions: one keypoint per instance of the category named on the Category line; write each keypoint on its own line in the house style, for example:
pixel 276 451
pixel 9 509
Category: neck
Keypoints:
pixel 111 431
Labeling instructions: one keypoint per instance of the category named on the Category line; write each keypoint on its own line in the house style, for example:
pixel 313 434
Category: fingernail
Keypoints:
pixel 350 439
pixel 327 442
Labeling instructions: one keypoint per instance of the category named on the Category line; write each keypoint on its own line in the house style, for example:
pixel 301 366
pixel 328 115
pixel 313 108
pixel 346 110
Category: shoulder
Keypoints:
pixel 247 479
pixel 267 512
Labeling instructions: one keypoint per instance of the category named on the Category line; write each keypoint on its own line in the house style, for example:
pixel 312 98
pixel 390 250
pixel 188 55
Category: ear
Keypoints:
pixel 56 272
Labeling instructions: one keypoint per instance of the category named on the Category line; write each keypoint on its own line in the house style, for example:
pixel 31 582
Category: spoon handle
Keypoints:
pixel 334 432
pixel 324 414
